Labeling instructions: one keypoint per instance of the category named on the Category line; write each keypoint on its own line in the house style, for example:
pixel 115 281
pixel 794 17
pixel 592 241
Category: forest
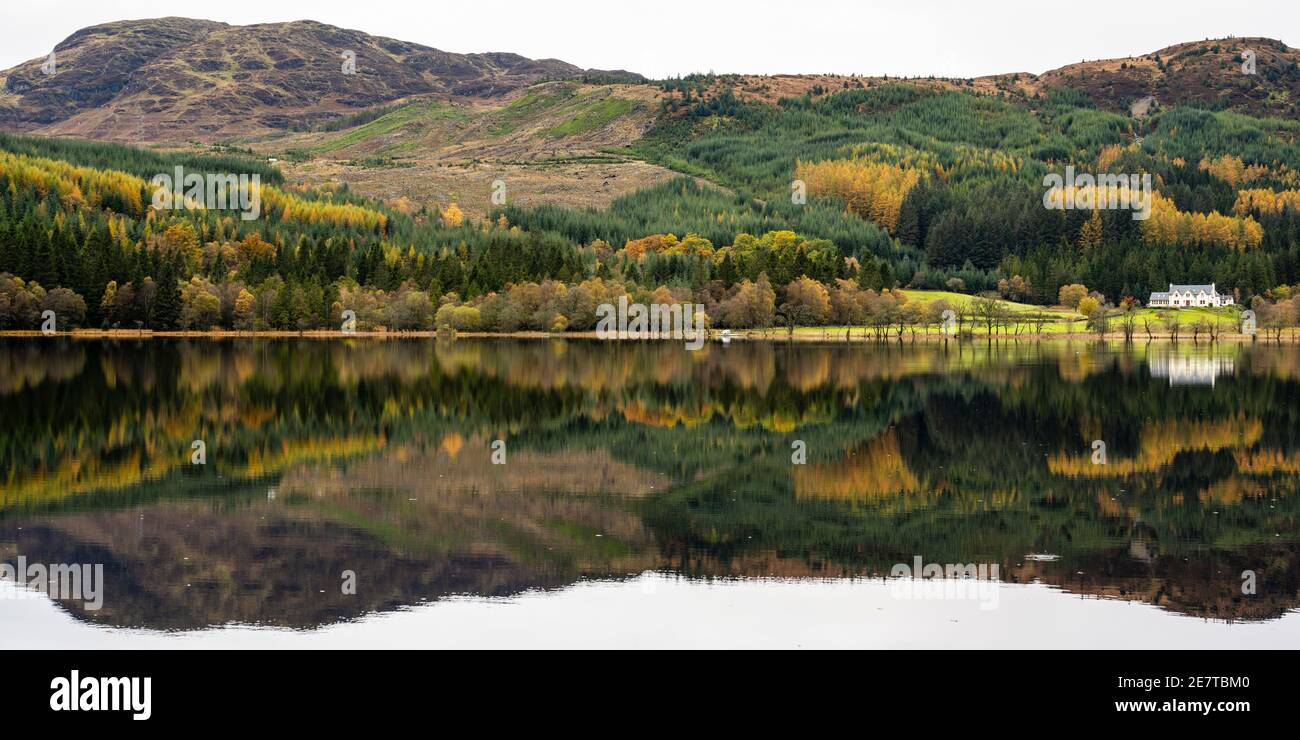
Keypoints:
pixel 808 212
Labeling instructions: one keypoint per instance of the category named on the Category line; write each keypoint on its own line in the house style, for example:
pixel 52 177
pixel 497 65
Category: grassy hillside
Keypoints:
pixel 556 143
pixel 549 120
pixel 964 301
pixel 418 114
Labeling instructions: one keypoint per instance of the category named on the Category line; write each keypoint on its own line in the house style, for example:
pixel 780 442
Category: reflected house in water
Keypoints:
pixel 1190 369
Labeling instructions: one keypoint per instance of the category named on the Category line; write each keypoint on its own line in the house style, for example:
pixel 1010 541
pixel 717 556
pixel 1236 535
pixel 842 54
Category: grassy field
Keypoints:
pixel 1062 321
pixel 1185 316
pixel 593 116
pixel 528 108
pixel 402 117
pixel 536 119
pixel 572 112
pixel 961 300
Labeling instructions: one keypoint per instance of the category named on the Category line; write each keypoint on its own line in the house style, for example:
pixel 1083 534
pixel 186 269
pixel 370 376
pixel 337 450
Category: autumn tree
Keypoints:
pixel 807 303
pixel 1070 295
pixel 1090 233
pixel 452 217
pixel 753 305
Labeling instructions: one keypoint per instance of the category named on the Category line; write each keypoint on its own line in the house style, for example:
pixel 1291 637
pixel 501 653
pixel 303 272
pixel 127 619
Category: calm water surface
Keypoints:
pixel 648 495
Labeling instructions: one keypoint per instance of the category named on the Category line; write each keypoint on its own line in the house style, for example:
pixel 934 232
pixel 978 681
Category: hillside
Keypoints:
pixel 168 80
pixel 544 121
pixel 1203 73
pixel 173 79
pixel 767 200
pixel 549 142
pixel 1199 73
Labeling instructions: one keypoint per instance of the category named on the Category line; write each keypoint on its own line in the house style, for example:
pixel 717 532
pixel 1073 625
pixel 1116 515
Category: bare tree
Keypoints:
pixel 988 311
pixel 1099 321
pixel 1200 327
pixel 1128 324
pixel 1172 325
pixel 1040 320
pixel 1213 328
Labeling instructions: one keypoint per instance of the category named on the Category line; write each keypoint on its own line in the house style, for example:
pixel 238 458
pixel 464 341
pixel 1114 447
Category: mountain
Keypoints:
pixel 153 80
pixel 169 79
pixel 1202 73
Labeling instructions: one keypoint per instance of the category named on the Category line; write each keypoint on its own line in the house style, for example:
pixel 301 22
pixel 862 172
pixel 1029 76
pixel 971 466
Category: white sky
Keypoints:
pixel 955 38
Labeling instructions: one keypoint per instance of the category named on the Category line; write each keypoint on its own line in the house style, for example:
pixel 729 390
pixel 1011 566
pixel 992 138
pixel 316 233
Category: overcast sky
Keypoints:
pixel 954 38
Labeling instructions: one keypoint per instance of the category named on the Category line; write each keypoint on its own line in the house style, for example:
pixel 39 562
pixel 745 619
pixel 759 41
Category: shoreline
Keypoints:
pixel 836 335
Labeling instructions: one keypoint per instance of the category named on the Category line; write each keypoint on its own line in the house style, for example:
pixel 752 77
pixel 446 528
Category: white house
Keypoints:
pixel 1191 296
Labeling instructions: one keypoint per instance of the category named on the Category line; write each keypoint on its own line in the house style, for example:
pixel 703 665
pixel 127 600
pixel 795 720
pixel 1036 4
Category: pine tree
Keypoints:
pixel 909 217
pixel 94 272
pixel 887 276
pixel 1090 232
pixel 218 270
pixel 166 314
pixel 727 272
pixel 869 274
pixel 44 267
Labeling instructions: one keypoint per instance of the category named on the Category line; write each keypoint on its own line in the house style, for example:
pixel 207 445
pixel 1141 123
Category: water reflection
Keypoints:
pixel 374 457
pixel 1190 368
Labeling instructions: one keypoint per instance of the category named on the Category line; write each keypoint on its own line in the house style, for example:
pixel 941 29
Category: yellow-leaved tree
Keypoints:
pixel 453 217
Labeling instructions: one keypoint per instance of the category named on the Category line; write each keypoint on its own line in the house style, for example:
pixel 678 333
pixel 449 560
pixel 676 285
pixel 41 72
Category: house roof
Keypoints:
pixel 1210 289
pixel 1154 296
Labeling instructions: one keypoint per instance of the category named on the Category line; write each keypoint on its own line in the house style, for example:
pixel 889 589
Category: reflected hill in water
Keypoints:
pixel 372 456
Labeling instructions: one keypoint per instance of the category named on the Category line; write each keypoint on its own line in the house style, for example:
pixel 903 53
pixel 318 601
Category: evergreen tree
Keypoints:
pixel 166 314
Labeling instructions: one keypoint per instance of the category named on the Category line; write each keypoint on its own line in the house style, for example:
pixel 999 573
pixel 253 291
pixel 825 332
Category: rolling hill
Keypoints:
pixel 171 79
pixel 1203 73
pixel 1206 74
pixel 557 142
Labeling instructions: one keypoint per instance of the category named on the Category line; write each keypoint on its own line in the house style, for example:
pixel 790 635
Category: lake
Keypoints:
pixel 578 493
